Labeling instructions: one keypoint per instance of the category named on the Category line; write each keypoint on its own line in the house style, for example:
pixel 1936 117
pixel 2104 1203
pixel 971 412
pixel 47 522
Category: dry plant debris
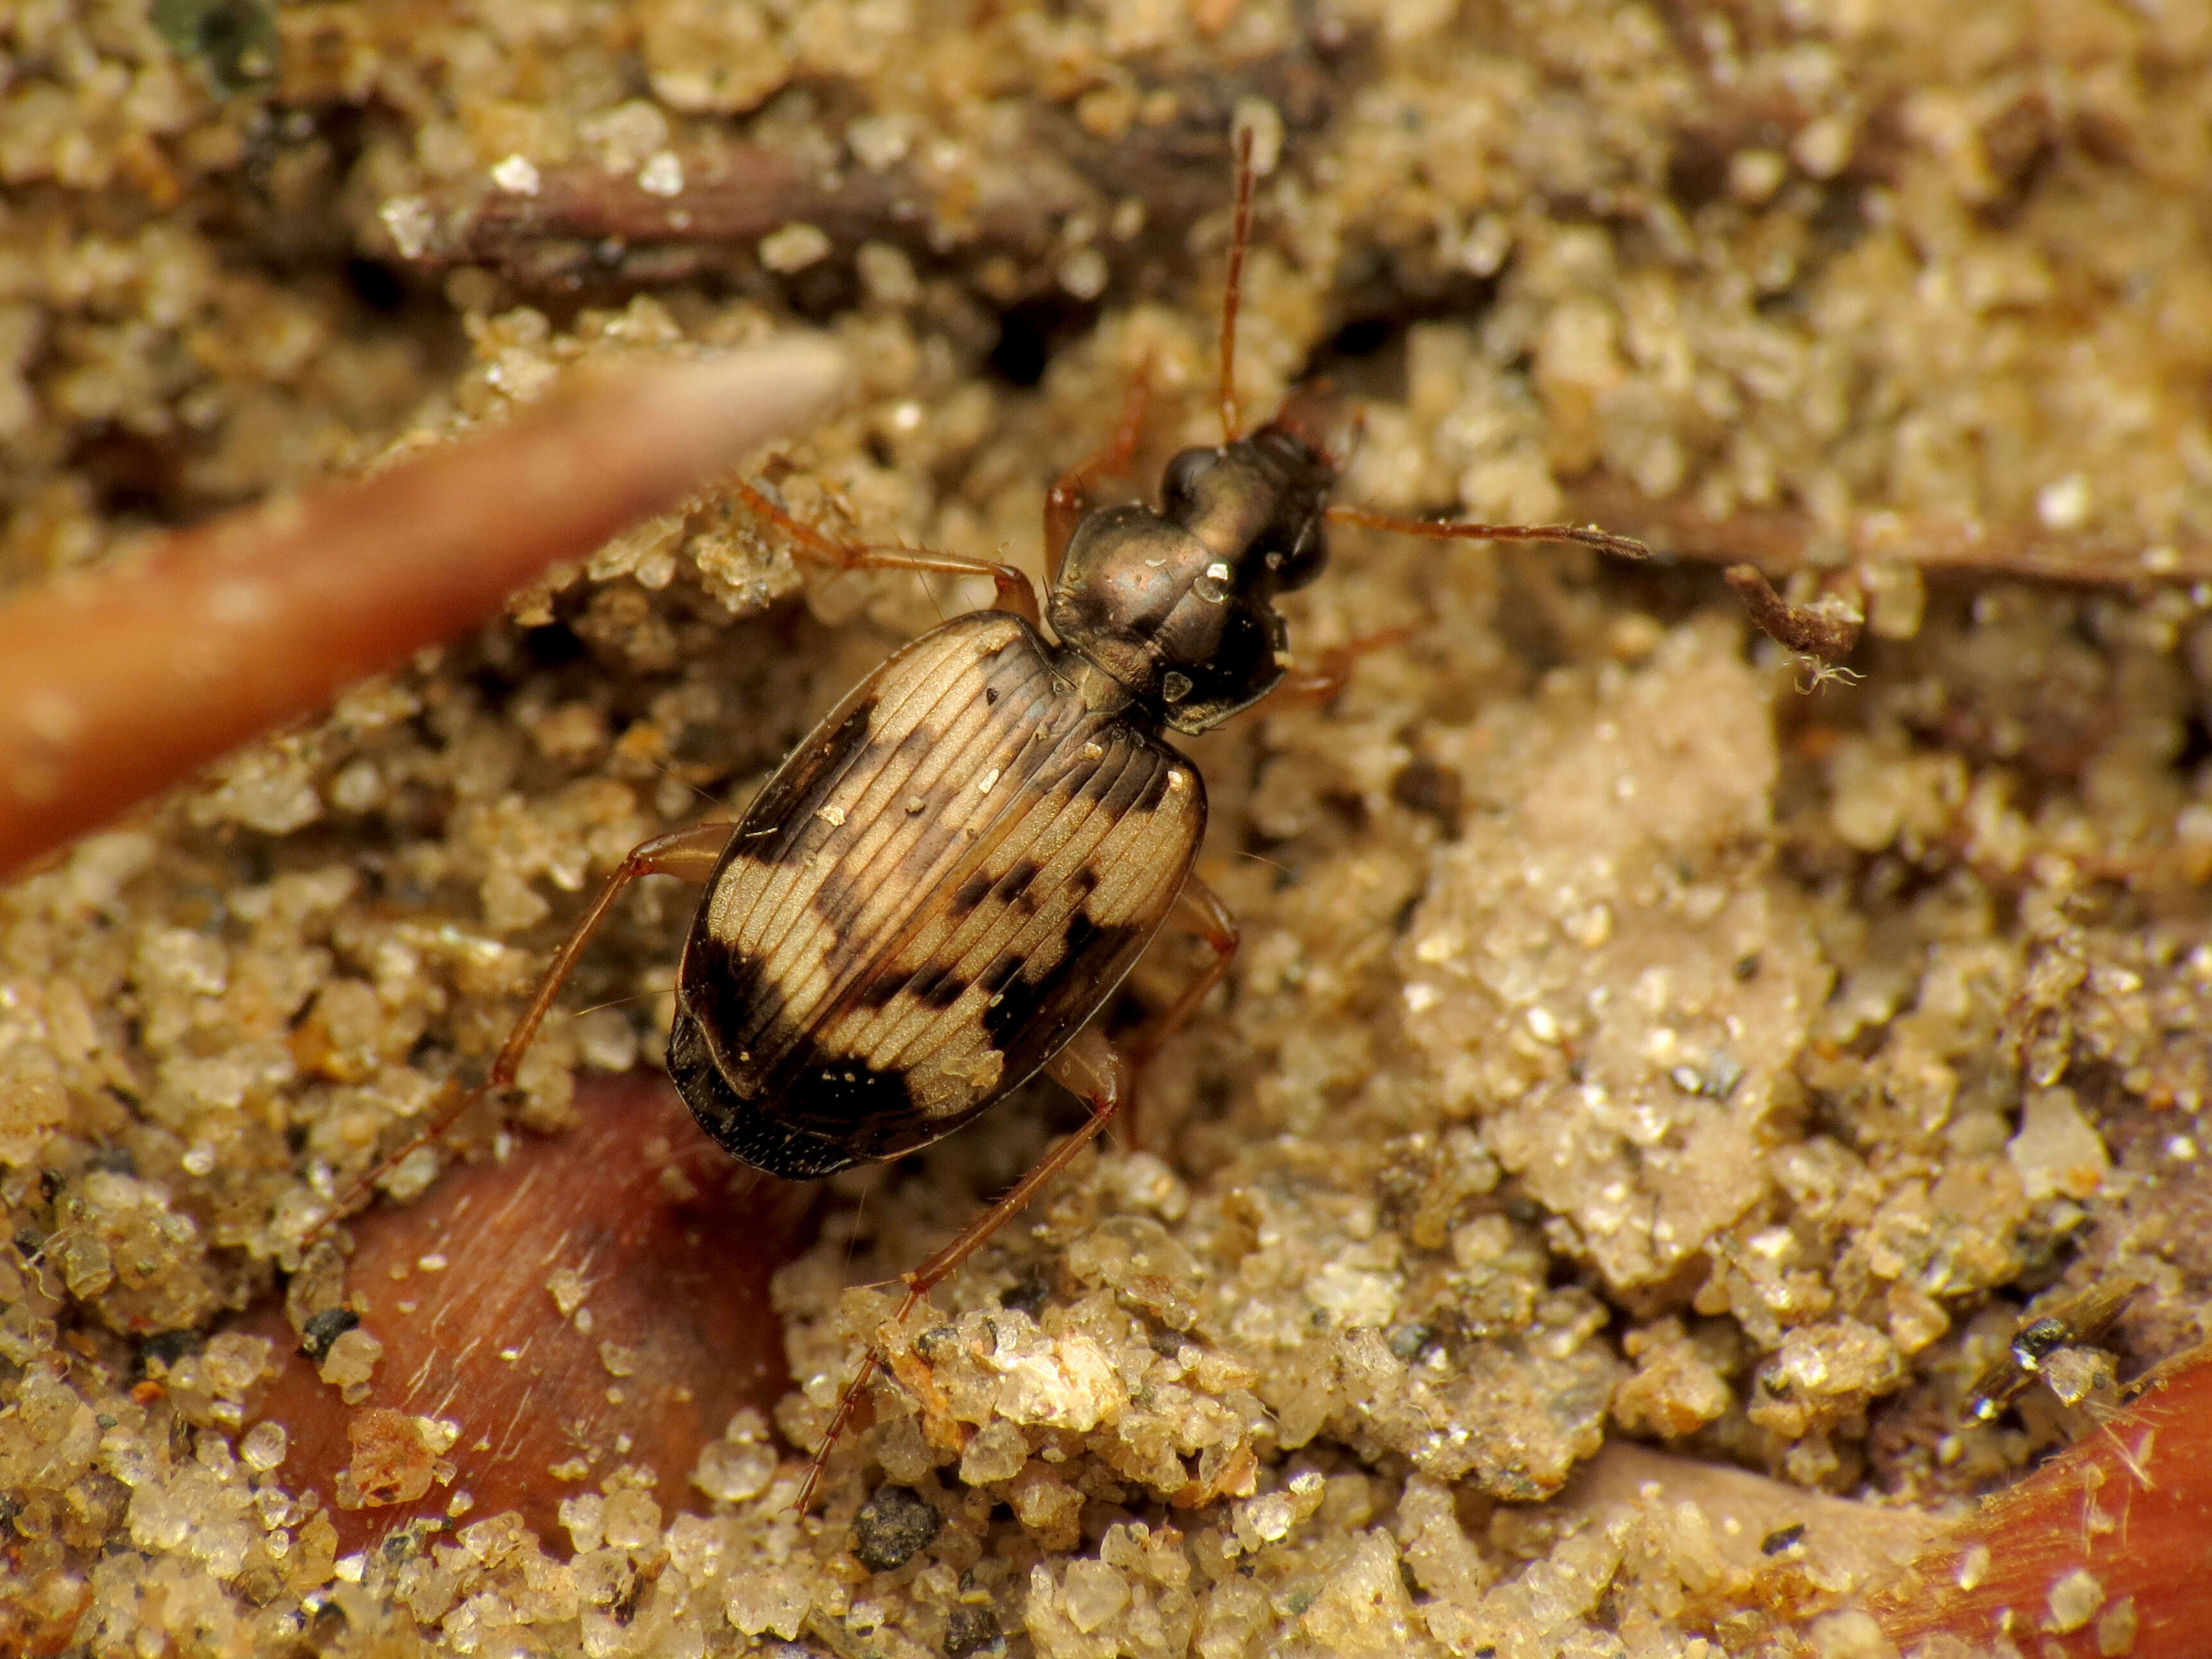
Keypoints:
pixel 115 683
pixel 1626 1045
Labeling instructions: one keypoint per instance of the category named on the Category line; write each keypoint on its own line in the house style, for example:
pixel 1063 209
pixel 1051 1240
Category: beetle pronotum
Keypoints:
pixel 943 885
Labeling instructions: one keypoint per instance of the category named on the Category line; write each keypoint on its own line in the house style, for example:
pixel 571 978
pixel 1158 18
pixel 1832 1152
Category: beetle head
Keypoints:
pixel 1177 604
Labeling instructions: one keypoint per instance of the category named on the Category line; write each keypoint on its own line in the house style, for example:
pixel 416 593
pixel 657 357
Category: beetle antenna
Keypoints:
pixel 1454 529
pixel 1240 234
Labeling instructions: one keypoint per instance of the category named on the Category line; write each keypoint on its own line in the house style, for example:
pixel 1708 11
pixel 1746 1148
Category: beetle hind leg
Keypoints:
pixel 1104 1076
pixel 1089 1067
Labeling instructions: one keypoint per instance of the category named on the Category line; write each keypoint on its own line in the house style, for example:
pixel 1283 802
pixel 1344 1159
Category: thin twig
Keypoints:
pixel 575 224
pixel 1825 630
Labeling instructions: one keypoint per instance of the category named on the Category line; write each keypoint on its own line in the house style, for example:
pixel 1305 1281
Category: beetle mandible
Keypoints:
pixel 939 889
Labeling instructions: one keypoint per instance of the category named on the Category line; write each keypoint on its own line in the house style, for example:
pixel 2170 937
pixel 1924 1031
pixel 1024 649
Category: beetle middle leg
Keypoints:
pixel 1320 682
pixel 689 854
pixel 1201 912
pixel 1089 1067
pixel 1017 593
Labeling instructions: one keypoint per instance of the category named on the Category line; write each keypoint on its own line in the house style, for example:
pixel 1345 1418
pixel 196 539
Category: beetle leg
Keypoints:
pixel 1068 502
pixel 1016 593
pixel 1089 1067
pixel 690 854
pixel 1331 671
pixel 1199 910
pixel 1240 237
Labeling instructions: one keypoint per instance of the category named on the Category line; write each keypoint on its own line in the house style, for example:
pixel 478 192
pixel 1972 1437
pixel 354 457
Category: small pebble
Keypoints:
pixel 891 1527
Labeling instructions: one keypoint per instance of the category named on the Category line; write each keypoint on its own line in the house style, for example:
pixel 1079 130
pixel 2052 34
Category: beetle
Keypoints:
pixel 941 888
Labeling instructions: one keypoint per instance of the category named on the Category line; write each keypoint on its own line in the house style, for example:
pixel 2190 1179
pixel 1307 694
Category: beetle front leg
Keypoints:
pixel 1068 502
pixel 1016 592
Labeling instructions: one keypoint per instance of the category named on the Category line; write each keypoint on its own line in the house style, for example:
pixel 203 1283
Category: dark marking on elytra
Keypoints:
pixel 1010 1013
pixel 1156 790
pixel 1026 1013
pixel 728 992
pixel 804 1132
pixel 999 974
pixel 972 893
pixel 938 987
pixel 1016 885
pixel 838 899
pixel 883 990
pixel 846 1099
pixel 1135 781
pixel 1081 930
pixel 907 753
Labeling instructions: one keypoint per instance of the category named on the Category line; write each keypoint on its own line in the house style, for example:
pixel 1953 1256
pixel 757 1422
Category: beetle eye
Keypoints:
pixel 1179 484
pixel 1308 553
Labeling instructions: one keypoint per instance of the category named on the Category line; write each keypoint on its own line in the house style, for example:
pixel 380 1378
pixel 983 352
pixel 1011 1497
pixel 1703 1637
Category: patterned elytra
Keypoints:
pixel 934 894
